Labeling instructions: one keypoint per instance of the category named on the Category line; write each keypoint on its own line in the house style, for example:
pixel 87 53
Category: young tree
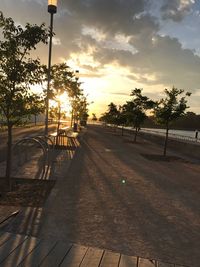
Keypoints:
pixel 76 97
pixel 122 118
pixel 37 107
pixel 63 79
pixel 17 73
pixel 135 110
pixel 169 109
pixel 81 113
pixel 112 115
pixel 94 117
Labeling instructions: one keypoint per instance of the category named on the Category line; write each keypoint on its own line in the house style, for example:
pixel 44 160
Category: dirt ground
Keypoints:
pixel 25 192
pixel 124 197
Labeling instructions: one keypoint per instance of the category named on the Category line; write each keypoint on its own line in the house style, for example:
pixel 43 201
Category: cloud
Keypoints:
pixel 111 17
pixel 176 10
pixel 160 61
pixel 120 93
pixel 96 33
pixel 169 63
pixel 56 41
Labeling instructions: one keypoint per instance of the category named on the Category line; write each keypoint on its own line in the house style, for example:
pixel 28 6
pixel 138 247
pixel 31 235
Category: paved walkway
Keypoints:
pixel 117 195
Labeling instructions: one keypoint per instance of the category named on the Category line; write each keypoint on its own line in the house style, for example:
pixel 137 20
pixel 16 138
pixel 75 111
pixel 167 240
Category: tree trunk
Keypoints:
pixel 122 130
pixel 72 117
pixel 58 125
pixel 35 119
pixel 166 140
pixel 9 157
pixel 135 137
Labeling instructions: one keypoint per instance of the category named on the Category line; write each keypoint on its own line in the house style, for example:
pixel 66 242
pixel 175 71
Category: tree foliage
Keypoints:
pixel 112 114
pixel 170 108
pixel 82 110
pixel 94 117
pixel 64 80
pixel 135 110
pixel 133 113
pixel 18 71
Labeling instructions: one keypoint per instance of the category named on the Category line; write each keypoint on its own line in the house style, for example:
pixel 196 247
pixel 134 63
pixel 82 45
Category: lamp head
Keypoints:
pixel 52 6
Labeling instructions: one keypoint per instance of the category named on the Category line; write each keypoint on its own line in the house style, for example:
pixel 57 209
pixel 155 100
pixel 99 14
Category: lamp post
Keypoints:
pixel 52 9
pixel 76 74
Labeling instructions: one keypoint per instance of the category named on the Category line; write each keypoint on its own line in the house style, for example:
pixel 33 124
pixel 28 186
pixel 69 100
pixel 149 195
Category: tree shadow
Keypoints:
pixel 160 206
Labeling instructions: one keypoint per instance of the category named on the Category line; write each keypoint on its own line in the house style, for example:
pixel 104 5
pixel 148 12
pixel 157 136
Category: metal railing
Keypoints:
pixel 34 148
pixel 159 133
pixel 13 214
pixel 172 135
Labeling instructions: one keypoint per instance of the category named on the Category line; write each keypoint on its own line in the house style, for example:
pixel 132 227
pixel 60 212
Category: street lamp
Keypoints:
pixel 52 9
pixel 76 75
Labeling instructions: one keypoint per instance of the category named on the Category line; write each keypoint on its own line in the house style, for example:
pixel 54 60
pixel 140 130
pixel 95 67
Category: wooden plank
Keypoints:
pixel 38 254
pixel 128 261
pixel 56 256
pixel 92 258
pixel 74 257
pixel 146 263
pixel 110 259
pixel 10 245
pixel 4 237
pixel 19 254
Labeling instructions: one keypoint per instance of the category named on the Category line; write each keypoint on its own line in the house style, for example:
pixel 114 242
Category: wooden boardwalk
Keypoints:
pixel 21 250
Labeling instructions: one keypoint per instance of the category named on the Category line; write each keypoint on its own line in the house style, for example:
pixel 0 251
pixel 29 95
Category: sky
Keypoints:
pixel 119 45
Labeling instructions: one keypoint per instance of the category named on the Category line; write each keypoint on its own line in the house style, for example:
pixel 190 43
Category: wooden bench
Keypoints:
pixel 65 132
pixel 72 134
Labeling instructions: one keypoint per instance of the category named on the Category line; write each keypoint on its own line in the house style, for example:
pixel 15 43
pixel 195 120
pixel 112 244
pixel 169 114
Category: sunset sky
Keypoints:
pixel 119 45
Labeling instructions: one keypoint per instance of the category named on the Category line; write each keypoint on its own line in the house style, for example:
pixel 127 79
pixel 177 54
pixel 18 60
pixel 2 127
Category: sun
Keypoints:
pixel 63 101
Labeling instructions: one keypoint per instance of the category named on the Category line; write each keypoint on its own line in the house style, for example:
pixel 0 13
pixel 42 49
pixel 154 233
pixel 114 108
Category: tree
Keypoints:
pixel 37 107
pixel 122 118
pixel 62 81
pixel 112 114
pixel 169 109
pixel 82 111
pixel 94 117
pixel 17 73
pixel 135 110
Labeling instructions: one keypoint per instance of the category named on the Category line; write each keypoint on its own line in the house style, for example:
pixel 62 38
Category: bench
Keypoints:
pixel 59 137
pixel 72 134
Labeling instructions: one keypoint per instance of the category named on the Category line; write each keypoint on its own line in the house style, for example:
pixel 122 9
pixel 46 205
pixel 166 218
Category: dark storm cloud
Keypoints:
pixel 113 16
pixel 176 9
